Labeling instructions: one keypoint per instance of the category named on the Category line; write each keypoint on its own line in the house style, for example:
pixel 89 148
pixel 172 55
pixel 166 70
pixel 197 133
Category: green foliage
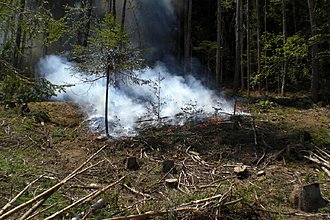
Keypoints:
pixel 20 90
pixel 294 51
pixel 108 49
pixel 266 104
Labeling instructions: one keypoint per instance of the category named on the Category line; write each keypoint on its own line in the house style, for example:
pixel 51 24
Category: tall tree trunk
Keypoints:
pixel 265 23
pixel 187 43
pixel 248 55
pixel 238 45
pixel 314 49
pixel 285 63
pixel 114 10
pixel 19 33
pixel 258 45
pixel 242 47
pixel 106 110
pixel 123 15
pixel 218 75
pixel 110 6
pixel 294 15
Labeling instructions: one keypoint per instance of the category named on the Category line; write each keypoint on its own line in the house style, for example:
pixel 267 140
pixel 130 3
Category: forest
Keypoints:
pixel 167 109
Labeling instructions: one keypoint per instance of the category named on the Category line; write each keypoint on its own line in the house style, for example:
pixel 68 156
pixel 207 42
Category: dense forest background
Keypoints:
pixel 269 46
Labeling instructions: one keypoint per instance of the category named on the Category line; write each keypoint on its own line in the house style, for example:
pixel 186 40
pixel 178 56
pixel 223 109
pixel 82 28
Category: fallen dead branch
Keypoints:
pixel 47 193
pixel 136 191
pixel 41 211
pixel 85 199
pixel 153 214
pixel 10 203
pixel 321 158
pixel 182 208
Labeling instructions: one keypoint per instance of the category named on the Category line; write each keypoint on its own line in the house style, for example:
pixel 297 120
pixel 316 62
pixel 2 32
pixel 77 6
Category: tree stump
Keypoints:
pixel 307 198
pixel 132 164
pixel 168 165
pixel 172 183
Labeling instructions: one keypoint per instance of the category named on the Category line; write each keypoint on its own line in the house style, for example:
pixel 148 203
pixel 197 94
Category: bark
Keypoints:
pixel 294 16
pixel 123 15
pixel 314 48
pixel 106 120
pixel 248 55
pixel 242 46
pixel 218 76
pixel 114 11
pixel 265 23
pixel 187 43
pixel 238 46
pixel 285 63
pixel 258 44
pixel 19 33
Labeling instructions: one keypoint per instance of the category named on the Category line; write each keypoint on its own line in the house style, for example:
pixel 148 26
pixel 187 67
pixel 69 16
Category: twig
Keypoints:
pixel 10 203
pixel 135 191
pixel 262 157
pixel 32 209
pixel 326 171
pixel 153 214
pixel 195 202
pixel 85 199
pixel 254 131
pixel 41 211
pixel 233 202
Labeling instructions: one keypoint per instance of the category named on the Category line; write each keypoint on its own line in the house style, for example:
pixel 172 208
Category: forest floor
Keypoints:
pixel 245 167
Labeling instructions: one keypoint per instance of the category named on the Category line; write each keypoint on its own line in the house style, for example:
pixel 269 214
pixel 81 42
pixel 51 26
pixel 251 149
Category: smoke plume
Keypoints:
pixel 161 100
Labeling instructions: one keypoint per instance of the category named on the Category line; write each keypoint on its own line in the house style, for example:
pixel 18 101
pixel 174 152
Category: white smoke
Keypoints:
pixel 167 95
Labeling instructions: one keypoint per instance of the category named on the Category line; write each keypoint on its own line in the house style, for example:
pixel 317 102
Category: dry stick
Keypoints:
pixel 318 161
pixel 10 203
pixel 41 211
pixel 153 214
pixel 51 190
pixel 136 192
pixel 254 131
pixel 326 171
pixel 195 202
pixel 164 212
pixel 323 152
pixel 32 209
pixel 85 199
pixel 91 166
pixel 324 161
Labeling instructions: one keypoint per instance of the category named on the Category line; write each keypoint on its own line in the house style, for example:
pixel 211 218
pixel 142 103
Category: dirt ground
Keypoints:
pixel 244 167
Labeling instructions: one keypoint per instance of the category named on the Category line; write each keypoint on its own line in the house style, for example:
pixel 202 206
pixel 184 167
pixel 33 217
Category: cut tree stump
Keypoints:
pixel 172 183
pixel 132 164
pixel 307 198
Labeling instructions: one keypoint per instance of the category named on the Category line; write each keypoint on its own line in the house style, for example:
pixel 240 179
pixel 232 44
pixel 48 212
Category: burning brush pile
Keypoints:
pixel 166 99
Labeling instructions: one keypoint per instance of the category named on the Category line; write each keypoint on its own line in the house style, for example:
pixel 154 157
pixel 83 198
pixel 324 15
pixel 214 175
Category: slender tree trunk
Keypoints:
pixel 19 32
pixel 314 49
pixel 238 45
pixel 242 47
pixel 265 23
pixel 285 63
pixel 187 46
pixel 294 15
pixel 114 10
pixel 110 6
pixel 248 55
pixel 258 45
pixel 106 110
pixel 123 15
pixel 218 76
